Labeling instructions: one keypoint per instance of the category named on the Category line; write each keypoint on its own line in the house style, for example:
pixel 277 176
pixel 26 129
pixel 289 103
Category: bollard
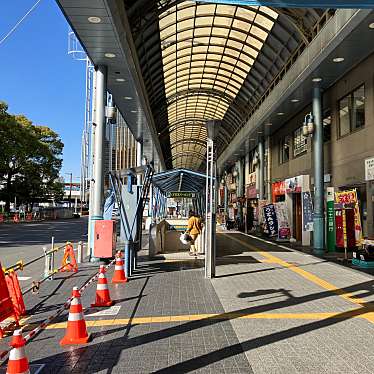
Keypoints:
pixel 80 253
pixel 47 263
pixel 52 255
pixel 128 258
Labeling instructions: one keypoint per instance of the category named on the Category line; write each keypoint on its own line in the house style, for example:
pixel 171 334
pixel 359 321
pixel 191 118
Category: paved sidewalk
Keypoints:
pixel 303 314
pixel 269 310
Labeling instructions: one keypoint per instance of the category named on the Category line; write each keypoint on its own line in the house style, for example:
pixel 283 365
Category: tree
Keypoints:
pixel 30 160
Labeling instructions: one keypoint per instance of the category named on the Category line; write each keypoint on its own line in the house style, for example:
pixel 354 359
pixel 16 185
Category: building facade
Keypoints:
pixel 348 133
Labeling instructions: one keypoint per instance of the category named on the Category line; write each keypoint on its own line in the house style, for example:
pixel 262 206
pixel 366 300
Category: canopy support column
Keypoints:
pixel 318 217
pixel 97 190
pixel 211 201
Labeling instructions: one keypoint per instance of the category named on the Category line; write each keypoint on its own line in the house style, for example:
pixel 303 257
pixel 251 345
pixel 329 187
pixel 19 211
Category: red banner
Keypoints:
pixel 278 189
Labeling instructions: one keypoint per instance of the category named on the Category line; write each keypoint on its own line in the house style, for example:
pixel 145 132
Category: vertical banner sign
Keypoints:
pixel 339 228
pixel 330 219
pixel 307 211
pixel 284 231
pixel 350 198
pixel 271 219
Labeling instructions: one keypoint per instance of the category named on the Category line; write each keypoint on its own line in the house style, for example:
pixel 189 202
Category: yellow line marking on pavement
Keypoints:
pixel 355 313
pixel 311 277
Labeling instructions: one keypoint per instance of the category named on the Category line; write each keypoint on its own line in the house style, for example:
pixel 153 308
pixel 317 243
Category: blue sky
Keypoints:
pixel 37 76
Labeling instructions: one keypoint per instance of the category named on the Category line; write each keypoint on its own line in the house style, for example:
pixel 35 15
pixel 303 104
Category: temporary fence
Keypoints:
pixel 44 214
pixel 11 295
pixel 31 334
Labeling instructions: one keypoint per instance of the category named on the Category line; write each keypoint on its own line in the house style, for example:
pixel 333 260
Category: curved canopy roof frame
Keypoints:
pixel 196 123
pixel 202 48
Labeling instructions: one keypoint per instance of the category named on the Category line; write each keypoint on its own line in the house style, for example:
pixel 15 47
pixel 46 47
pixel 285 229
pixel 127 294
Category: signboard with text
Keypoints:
pixel 307 211
pixel 331 237
pixel 369 169
pixel 181 195
pixel 271 219
pixel 284 230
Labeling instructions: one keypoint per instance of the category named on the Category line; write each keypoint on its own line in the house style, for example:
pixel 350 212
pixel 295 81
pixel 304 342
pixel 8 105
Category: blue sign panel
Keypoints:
pixel 326 4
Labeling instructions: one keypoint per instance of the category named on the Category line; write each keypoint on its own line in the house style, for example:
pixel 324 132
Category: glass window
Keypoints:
pixel 300 142
pixel 284 149
pixel 327 127
pixel 359 108
pixel 352 111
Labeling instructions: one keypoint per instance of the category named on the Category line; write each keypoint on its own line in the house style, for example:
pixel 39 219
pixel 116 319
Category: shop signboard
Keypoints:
pixel 348 199
pixel 293 185
pixel 284 231
pixel 339 228
pixel 260 215
pixel 278 189
pixel 271 219
pixel 369 169
pixel 307 211
pixel 251 192
pixel 180 195
pixel 331 238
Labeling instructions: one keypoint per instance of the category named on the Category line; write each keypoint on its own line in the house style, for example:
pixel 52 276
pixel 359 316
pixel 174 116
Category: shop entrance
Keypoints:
pixel 297 216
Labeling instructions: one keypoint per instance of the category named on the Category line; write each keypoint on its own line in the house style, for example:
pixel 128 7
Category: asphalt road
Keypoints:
pixel 25 241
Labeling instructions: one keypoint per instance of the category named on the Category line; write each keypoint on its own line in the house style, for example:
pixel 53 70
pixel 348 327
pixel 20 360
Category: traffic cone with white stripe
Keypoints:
pixel 119 271
pixel 76 331
pixel 102 290
pixel 18 362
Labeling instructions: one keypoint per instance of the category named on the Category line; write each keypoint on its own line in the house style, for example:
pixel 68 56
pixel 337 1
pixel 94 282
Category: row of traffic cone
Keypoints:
pixel 76 331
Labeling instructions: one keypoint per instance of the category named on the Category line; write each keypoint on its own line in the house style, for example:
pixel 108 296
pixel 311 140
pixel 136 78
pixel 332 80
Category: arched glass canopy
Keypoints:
pixel 203 61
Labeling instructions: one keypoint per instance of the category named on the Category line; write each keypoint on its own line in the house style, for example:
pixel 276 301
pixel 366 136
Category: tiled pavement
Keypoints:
pixel 256 316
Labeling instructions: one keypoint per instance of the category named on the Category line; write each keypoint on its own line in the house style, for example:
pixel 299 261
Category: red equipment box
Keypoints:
pixel 105 239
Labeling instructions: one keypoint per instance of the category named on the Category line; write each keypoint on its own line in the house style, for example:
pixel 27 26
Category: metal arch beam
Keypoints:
pixel 186 153
pixel 184 77
pixel 258 11
pixel 215 14
pixel 196 122
pixel 304 33
pixel 180 181
pixel 186 141
pixel 321 4
pixel 162 113
pixel 201 92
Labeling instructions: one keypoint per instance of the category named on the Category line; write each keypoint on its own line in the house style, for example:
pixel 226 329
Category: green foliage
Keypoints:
pixel 30 160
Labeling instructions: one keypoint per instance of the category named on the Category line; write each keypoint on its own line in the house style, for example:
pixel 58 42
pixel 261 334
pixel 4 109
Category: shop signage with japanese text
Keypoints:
pixel 307 211
pixel 369 169
pixel 271 219
pixel 284 230
pixel 331 237
pixel 181 194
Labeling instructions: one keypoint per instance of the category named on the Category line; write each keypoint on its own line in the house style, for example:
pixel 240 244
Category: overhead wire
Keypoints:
pixel 14 28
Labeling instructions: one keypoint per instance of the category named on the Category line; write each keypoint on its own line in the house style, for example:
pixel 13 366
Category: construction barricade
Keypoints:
pixel 6 304
pixel 69 262
pixel 15 293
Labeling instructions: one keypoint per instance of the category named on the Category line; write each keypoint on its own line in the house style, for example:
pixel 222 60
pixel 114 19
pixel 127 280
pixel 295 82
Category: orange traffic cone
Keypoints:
pixel 102 290
pixel 119 272
pixel 18 362
pixel 76 332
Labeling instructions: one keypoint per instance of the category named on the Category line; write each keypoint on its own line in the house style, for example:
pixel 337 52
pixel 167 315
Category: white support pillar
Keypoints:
pixel 139 157
pixel 97 190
